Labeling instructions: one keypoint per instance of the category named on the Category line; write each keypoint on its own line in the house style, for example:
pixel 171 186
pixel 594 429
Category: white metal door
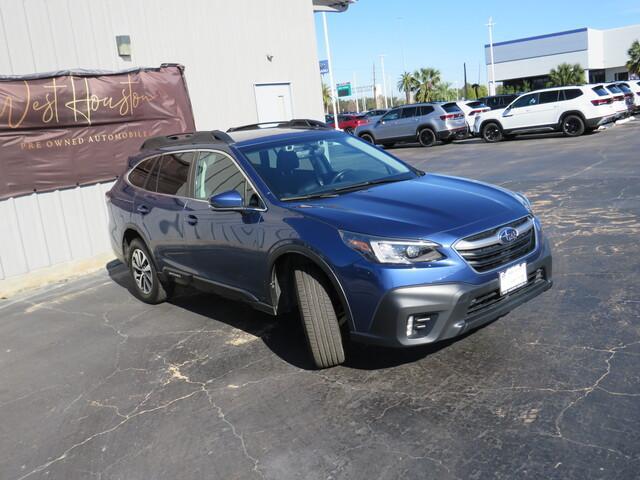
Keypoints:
pixel 273 101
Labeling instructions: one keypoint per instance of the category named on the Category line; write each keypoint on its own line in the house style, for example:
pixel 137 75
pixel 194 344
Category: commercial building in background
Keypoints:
pixel 245 61
pixel 602 53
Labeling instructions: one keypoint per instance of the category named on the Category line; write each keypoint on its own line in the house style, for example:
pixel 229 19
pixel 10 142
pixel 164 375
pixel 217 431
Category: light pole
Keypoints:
pixel 492 83
pixel 355 92
pixel 384 82
pixel 333 91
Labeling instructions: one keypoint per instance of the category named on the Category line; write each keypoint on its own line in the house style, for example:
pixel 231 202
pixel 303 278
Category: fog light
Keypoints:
pixel 417 324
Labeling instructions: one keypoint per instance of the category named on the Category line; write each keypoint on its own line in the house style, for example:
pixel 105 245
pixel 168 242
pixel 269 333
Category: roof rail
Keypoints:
pixel 189 138
pixel 293 123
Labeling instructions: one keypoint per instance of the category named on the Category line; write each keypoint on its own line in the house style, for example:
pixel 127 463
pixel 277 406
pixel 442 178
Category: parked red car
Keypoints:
pixel 348 122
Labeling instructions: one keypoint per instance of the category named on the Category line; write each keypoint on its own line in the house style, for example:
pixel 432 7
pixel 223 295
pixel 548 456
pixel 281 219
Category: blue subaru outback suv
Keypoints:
pixel 364 246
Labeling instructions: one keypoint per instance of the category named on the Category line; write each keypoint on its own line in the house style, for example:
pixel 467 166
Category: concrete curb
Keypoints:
pixel 54 274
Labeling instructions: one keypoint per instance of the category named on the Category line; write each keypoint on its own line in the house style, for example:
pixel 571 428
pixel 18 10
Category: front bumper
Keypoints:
pixel 451 306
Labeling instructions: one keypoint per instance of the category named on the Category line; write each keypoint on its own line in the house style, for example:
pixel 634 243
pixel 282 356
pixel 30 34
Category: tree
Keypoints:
pixel 476 87
pixel 427 81
pixel 326 96
pixel 407 84
pixel 443 91
pixel 566 74
pixel 633 65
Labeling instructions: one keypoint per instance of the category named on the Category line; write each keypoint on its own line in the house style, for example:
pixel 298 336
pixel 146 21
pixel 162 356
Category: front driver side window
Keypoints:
pixel 216 173
pixel 526 101
pixel 392 115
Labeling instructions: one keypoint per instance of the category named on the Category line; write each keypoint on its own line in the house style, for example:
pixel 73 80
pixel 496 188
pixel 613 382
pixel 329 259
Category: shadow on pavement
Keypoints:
pixel 283 335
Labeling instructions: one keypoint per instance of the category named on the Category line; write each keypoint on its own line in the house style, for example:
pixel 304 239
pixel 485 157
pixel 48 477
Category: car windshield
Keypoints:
pixel 323 166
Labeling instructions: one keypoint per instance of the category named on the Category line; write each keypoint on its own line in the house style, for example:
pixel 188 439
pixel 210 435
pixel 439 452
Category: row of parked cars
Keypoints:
pixel 572 110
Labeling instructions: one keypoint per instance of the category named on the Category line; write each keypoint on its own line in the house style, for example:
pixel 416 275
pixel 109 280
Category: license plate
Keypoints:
pixel 513 278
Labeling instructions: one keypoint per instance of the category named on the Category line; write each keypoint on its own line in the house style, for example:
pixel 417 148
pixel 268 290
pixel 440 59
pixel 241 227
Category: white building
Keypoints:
pixel 245 61
pixel 602 53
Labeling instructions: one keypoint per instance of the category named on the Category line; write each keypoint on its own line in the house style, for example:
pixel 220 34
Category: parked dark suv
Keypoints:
pixel 363 245
pixel 496 102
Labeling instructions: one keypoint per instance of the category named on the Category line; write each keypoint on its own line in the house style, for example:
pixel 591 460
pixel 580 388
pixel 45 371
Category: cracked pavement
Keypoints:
pixel 95 384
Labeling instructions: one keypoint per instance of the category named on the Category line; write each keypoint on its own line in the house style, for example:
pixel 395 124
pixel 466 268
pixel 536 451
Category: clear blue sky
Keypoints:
pixel 444 34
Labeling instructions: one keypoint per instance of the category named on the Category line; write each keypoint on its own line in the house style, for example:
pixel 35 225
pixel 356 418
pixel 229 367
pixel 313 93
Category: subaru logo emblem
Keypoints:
pixel 507 235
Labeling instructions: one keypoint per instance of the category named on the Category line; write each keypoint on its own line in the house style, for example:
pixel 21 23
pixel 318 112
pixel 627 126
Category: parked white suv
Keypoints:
pixel 571 110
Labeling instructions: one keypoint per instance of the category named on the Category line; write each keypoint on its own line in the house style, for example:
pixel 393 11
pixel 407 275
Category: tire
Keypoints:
pixel 367 137
pixel 492 133
pixel 319 319
pixel 146 284
pixel 427 137
pixel 573 126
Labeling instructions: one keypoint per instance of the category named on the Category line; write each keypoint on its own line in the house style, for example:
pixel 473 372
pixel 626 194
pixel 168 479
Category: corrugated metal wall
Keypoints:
pixel 44 229
pixel 226 46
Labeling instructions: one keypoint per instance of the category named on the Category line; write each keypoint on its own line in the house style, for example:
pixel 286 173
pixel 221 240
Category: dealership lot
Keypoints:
pixel 94 383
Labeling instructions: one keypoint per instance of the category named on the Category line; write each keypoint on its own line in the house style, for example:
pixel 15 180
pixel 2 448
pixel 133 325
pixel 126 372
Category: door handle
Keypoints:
pixel 192 219
pixel 143 209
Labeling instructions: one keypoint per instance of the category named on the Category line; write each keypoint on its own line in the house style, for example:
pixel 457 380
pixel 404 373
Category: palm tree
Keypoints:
pixel 566 74
pixel 633 65
pixel 443 91
pixel 407 84
pixel 326 96
pixel 427 80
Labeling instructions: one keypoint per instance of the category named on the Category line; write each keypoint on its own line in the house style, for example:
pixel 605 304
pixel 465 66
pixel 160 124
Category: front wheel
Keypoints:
pixel 573 126
pixel 426 137
pixel 319 317
pixel 491 132
pixel 147 285
pixel 367 137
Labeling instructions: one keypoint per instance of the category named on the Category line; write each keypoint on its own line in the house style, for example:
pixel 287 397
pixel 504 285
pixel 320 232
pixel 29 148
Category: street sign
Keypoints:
pixel 324 66
pixel 344 89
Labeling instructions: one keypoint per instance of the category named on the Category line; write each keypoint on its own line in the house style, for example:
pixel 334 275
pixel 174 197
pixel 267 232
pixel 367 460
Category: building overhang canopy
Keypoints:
pixel 331 5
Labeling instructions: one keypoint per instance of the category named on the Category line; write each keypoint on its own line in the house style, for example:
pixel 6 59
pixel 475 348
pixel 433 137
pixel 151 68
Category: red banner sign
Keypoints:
pixel 72 128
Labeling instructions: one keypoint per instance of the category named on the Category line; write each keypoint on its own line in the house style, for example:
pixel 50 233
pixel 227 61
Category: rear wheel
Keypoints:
pixel 573 126
pixel 319 317
pixel 491 132
pixel 367 137
pixel 426 137
pixel 147 285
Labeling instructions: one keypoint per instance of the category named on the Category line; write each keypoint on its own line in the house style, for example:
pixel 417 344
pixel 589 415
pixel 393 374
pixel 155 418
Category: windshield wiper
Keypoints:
pixel 348 188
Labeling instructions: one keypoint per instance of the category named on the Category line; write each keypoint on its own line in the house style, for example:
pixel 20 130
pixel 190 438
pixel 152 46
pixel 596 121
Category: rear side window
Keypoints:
pixel 624 88
pixel 614 89
pixel 451 108
pixel 572 93
pixel 409 112
pixel 425 110
pixel 139 175
pixel 600 90
pixel 549 97
pixel 173 176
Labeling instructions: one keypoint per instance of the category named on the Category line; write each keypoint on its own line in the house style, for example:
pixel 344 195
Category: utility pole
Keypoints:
pixel 384 82
pixel 375 96
pixel 492 83
pixel 355 92
pixel 466 96
pixel 333 85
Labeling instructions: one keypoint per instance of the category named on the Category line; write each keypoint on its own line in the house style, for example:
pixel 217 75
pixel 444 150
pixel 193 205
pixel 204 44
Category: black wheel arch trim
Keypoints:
pixel 318 260
pixel 491 120
pixel 571 112
pixel 423 126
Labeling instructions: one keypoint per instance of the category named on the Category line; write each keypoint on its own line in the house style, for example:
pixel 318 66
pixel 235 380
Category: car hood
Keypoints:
pixel 437 207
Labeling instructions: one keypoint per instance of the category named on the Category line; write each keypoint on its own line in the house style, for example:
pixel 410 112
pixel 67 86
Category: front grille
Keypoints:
pixel 490 253
pixel 492 298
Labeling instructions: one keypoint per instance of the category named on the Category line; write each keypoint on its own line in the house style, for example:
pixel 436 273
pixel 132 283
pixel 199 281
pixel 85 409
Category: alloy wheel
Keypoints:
pixel 492 133
pixel 142 273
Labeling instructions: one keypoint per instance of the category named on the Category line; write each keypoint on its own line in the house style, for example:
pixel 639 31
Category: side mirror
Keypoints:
pixel 230 200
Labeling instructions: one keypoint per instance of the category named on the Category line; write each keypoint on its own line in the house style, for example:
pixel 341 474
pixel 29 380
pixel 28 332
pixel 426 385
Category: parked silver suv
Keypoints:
pixel 423 122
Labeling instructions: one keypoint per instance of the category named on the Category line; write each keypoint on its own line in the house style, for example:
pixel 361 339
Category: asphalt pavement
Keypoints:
pixel 95 384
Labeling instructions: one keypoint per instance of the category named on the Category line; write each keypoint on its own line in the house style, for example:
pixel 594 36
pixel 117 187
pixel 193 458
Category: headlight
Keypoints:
pixel 524 201
pixel 392 251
